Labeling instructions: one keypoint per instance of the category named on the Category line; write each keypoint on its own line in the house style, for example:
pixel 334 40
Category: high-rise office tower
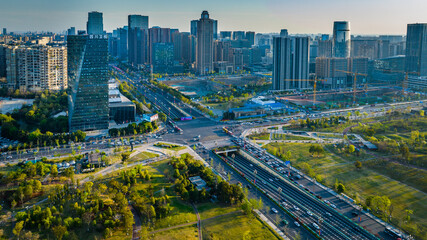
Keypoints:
pixel 163 57
pixel 193 27
pixel 94 23
pixel 225 34
pixel 71 31
pixel 215 29
pixel 122 48
pixel 204 55
pixel 250 36
pixel 416 49
pixel 238 35
pixel 290 63
pixel 284 32
pixel 88 81
pixel 137 39
pixel 138 21
pixel 4 31
pixel 341 39
pixel 157 35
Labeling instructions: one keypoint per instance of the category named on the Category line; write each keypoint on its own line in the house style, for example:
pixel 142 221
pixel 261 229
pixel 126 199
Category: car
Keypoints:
pixel 296 208
pixel 354 214
pixel 264 182
pixel 284 204
pixel 274 210
pixel 333 206
pixel 297 224
pixel 327 202
pixel 309 213
pixel 285 222
pixel 316 226
pixel 271 180
pixel 251 165
pixel 328 214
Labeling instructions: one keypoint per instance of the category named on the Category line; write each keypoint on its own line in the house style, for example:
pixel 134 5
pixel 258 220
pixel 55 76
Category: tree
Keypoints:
pixel 17 229
pixel 59 231
pixel 351 148
pixel 54 170
pixel 358 164
pixel 162 116
pixel 408 214
pixel 125 156
pixel 340 188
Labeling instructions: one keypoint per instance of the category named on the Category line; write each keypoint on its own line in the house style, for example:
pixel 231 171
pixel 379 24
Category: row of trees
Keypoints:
pixel 186 167
pixel 318 123
pixel 133 129
pixel 135 96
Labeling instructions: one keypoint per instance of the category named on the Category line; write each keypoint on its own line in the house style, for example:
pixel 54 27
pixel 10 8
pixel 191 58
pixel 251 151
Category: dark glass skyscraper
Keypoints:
pixel 416 48
pixel 88 82
pixel 342 39
pixel 137 39
pixel 94 23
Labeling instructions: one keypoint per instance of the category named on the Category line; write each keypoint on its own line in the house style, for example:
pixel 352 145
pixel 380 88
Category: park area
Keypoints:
pixel 402 185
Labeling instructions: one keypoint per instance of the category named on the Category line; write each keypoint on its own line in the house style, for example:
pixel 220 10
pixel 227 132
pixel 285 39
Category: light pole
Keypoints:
pixel 255 173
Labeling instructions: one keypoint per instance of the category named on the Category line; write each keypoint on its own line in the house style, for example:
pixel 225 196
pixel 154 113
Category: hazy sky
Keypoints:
pixel 298 16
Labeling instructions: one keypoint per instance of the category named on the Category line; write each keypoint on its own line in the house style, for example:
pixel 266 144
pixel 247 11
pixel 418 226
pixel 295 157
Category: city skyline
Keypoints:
pixel 378 17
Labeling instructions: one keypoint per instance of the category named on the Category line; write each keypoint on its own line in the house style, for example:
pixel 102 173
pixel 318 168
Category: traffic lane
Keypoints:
pixel 254 193
pixel 295 198
pixel 346 209
pixel 314 204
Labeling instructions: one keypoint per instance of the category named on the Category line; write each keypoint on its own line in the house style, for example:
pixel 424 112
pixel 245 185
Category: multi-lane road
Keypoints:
pixel 309 210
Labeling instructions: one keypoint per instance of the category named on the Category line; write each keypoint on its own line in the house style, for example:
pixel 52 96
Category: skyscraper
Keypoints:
pixel 71 31
pixel 88 81
pixel 138 21
pixel 137 39
pixel 157 35
pixel 215 29
pixel 341 40
pixel 250 36
pixel 225 34
pixel 416 48
pixel 238 35
pixel 290 61
pixel 94 23
pixel 284 32
pixel 193 27
pixel 4 31
pixel 204 55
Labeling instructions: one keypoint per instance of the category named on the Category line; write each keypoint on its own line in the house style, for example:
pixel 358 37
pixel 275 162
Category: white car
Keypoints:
pixel 309 213
pixel 333 206
pixel 316 226
pixel 328 214
pixel 274 210
pixel 296 208
pixel 297 224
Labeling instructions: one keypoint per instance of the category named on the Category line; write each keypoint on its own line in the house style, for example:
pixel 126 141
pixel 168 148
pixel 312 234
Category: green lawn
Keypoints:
pixel 188 232
pixel 181 213
pixel 208 210
pixel 236 226
pixel 168 146
pixel 260 136
pixel 143 155
pixel 367 181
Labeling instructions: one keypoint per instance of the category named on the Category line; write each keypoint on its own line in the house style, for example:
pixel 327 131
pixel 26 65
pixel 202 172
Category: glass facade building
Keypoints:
pixel 88 81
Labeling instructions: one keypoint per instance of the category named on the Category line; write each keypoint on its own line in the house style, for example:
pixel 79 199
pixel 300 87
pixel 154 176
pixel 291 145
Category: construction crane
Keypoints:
pixel 355 74
pixel 309 80
pixel 405 79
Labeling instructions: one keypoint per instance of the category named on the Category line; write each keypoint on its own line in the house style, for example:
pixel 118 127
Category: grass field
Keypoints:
pixel 143 155
pixel 168 146
pixel 260 136
pixel 236 226
pixel 188 232
pixel 208 210
pixel 366 181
